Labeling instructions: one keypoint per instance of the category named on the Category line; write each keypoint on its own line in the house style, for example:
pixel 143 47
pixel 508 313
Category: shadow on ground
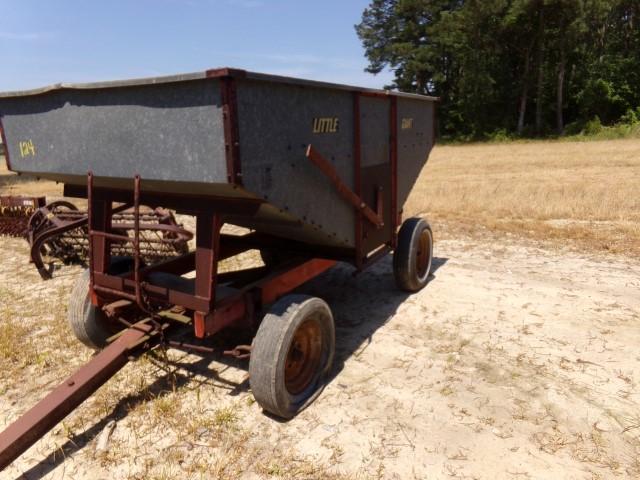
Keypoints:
pixel 343 291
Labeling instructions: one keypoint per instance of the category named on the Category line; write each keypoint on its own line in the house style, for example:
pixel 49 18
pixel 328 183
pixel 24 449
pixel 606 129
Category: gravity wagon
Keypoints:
pixel 317 173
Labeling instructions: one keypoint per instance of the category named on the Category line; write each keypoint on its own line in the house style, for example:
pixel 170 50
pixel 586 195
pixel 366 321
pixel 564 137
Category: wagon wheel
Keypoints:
pixel 61 206
pixel 36 221
pixel 89 324
pixel 292 354
pixel 59 246
pixel 413 255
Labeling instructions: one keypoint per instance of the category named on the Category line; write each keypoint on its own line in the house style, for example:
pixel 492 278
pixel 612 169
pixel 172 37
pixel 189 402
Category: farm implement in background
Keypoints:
pixel 58 230
pixel 15 212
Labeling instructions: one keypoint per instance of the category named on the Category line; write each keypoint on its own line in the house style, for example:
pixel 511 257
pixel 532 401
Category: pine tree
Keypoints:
pixel 491 60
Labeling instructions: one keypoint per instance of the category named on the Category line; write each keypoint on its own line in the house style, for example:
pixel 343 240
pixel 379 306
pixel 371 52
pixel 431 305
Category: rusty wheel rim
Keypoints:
pixel 303 359
pixel 423 255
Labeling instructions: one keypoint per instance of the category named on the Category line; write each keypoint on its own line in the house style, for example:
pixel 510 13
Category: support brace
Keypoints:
pixel 349 195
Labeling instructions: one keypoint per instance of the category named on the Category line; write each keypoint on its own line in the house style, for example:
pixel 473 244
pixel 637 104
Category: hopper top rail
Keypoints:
pixel 212 73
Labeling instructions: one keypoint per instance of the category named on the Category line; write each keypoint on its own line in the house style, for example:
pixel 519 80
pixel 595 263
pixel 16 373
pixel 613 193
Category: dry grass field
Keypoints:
pixel 583 193
pixel 519 359
pixel 586 194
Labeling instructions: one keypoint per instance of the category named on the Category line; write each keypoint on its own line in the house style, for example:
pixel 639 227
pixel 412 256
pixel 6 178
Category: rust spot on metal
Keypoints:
pixel 304 356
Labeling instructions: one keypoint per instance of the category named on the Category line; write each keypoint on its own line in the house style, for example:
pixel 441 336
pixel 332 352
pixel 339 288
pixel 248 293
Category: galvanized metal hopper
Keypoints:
pixel 230 133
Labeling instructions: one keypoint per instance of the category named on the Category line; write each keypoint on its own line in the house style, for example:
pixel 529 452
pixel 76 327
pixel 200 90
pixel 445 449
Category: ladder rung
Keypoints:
pixel 111 236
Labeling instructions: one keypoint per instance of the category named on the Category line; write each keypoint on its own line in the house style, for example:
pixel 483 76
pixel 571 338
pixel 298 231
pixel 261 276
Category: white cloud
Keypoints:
pixel 28 36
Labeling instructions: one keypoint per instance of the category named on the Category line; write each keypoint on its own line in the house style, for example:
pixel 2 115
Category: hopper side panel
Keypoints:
pixel 276 124
pixel 166 132
pixel 375 136
pixel 415 141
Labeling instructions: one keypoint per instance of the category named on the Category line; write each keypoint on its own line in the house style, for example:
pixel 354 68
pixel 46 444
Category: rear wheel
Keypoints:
pixel 413 255
pixel 292 354
pixel 89 324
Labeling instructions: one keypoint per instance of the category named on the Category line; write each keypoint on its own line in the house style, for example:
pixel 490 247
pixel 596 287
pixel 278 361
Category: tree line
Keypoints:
pixel 526 67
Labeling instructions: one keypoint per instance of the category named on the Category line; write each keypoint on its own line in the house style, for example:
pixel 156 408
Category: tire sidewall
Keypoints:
pixel 297 402
pixel 405 258
pixel 295 310
pixel 88 324
pixel 421 227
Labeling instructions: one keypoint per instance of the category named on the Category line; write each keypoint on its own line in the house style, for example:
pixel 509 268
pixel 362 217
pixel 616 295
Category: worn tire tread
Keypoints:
pixel 270 348
pixel 404 257
pixel 87 323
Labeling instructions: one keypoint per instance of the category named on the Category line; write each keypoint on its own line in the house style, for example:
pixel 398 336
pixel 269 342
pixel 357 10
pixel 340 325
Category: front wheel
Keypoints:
pixel 292 354
pixel 89 324
pixel 413 255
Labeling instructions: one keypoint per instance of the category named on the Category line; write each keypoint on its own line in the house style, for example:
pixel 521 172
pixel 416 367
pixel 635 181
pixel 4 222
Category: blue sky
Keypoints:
pixel 44 42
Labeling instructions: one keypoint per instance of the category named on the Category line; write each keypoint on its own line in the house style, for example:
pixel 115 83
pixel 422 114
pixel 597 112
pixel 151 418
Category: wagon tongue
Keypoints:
pixel 35 423
pixel 15 212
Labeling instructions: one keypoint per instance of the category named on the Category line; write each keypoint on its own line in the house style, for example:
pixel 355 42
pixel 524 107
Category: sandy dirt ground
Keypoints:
pixel 514 362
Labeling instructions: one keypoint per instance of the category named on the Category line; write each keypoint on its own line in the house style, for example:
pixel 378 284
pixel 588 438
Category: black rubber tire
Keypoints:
pixel 270 351
pixel 89 324
pixel 121 264
pixel 405 258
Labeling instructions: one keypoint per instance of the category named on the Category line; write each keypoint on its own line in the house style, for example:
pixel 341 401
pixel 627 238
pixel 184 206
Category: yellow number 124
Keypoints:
pixel 27 148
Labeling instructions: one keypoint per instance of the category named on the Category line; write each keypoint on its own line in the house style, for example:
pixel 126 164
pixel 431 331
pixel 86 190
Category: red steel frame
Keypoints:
pixel 209 314
pixel 25 431
pixel 251 290
pixel 5 144
pixel 231 129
